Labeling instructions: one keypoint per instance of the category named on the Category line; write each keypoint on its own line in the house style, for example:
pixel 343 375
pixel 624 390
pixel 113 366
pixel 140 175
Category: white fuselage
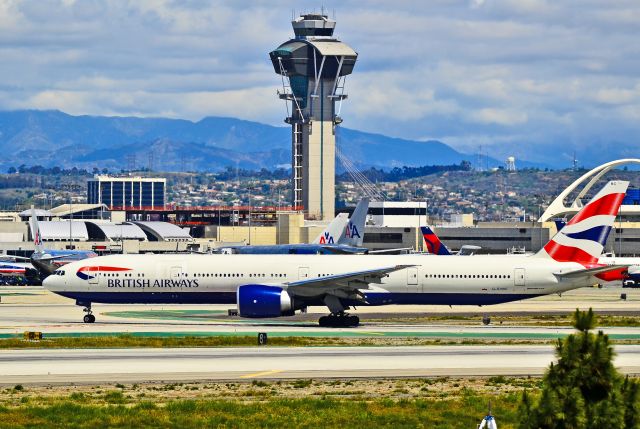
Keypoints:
pixel 210 279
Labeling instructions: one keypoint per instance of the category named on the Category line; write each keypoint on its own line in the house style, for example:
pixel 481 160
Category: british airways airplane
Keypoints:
pixel 267 286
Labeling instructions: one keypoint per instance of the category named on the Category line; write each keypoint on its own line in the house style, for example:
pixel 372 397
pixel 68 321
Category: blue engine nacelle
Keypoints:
pixel 263 301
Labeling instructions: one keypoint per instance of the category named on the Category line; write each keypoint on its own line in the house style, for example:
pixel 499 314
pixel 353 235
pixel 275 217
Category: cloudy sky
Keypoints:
pixel 531 78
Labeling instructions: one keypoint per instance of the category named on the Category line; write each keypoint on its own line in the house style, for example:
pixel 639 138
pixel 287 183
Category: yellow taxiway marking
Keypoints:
pixel 260 374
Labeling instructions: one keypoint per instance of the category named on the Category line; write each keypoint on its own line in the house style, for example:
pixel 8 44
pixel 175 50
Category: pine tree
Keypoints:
pixel 583 389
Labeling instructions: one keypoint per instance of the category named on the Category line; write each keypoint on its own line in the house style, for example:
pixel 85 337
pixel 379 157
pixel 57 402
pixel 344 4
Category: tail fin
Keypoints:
pixel 333 231
pixel 583 238
pixel 35 231
pixel 434 245
pixel 354 233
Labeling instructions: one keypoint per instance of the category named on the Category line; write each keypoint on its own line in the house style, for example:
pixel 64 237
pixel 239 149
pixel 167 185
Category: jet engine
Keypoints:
pixel 263 301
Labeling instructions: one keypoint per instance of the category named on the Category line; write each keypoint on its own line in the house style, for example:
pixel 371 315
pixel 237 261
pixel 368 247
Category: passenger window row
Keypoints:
pixel 467 276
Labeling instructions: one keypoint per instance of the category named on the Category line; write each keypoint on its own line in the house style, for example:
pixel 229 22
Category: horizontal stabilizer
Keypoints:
pixel 590 271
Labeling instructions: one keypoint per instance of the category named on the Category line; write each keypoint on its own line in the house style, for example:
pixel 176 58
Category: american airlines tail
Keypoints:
pixel 332 233
pixel 434 245
pixel 35 232
pixel 583 238
pixel 354 232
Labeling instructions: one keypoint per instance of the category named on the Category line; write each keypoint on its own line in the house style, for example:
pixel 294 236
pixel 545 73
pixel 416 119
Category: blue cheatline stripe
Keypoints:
pixel 598 234
pixel 372 299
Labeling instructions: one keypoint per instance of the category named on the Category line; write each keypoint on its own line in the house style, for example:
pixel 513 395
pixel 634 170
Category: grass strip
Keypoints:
pixel 120 411
pixel 508 320
pixel 130 341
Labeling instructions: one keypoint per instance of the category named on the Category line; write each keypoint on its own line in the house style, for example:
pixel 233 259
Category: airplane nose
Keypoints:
pixel 51 282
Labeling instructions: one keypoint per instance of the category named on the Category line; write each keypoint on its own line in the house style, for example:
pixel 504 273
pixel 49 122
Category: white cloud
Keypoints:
pixel 469 71
pixel 498 116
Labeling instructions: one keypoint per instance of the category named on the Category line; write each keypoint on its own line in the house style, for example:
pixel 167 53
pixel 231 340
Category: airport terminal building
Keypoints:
pixel 127 192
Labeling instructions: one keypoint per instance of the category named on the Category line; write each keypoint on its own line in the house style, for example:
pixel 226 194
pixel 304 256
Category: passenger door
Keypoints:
pixel 303 273
pixel 519 279
pixel 412 279
pixel 176 275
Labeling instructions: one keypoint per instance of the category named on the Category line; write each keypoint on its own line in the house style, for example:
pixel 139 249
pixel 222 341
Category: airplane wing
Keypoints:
pixel 342 285
pixel 53 258
pixel 468 250
pixel 345 250
pixel 392 251
pixel 589 271
pixel 13 257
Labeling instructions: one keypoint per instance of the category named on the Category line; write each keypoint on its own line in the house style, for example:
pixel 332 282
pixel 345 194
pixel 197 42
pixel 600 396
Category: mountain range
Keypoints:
pixel 54 138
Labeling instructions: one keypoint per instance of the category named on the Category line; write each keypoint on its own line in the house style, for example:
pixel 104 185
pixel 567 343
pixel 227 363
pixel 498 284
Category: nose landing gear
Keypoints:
pixel 89 317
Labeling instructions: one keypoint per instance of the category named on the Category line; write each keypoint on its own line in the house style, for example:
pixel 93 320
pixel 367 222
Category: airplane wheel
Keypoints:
pixel 354 321
pixel 324 322
pixel 89 318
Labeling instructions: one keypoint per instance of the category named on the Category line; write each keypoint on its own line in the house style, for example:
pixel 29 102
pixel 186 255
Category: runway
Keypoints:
pixel 35 309
pixel 195 364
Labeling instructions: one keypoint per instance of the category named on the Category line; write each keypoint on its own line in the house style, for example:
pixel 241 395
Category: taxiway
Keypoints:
pixel 191 364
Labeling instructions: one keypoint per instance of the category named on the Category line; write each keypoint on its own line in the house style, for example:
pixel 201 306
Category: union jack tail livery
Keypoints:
pixel 583 238
pixel 434 245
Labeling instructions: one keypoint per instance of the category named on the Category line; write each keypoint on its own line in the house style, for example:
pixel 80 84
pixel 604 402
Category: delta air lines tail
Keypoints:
pixel 434 245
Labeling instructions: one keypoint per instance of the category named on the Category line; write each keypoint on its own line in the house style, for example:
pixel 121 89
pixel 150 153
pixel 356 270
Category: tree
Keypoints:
pixel 583 389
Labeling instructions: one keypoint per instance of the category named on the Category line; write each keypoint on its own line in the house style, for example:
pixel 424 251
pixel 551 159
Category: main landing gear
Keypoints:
pixel 339 320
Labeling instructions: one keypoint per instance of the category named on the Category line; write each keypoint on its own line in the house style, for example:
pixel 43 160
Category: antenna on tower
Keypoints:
pixel 575 162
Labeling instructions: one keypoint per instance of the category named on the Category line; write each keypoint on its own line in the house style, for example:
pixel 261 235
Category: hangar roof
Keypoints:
pixel 63 230
pixel 163 231
pixel 115 231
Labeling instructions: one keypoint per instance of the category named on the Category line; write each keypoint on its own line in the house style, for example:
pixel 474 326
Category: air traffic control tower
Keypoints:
pixel 313 67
